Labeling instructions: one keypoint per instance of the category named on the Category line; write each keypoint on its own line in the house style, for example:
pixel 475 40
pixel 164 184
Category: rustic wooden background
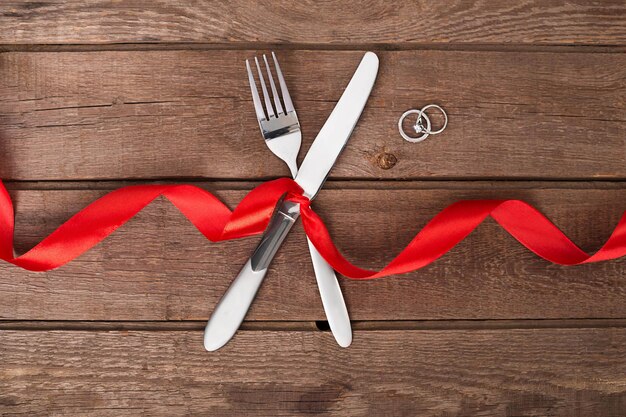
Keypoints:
pixel 95 95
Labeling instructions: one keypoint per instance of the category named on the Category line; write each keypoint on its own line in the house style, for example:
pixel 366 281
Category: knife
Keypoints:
pixel 330 141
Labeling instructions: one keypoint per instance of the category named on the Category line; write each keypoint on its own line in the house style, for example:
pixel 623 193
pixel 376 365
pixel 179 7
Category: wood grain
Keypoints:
pixel 319 23
pixel 551 372
pixel 141 90
pixel 158 267
pixel 179 114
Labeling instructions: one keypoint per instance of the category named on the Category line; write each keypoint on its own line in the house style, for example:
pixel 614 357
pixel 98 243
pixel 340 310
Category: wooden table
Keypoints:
pixel 96 95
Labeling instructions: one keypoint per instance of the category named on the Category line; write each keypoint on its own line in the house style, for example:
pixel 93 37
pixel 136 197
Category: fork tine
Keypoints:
pixel 258 107
pixel 279 107
pixel 266 96
pixel 283 86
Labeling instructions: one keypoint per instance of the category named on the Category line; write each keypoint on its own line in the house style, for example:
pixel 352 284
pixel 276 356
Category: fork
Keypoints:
pixel 282 134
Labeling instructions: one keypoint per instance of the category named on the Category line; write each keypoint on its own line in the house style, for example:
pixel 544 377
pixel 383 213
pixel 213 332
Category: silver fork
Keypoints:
pixel 281 131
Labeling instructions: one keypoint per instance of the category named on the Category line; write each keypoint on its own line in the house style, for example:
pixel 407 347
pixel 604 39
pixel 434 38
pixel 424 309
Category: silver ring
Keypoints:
pixel 445 116
pixel 421 115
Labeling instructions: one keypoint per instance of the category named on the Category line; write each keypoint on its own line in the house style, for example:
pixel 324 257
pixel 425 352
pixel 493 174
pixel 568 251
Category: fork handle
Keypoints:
pixel 332 298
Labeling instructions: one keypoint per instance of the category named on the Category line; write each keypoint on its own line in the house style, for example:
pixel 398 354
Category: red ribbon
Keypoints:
pixel 216 222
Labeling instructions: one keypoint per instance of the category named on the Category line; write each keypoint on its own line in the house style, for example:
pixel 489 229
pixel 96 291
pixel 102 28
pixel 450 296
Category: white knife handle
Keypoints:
pixel 232 308
pixel 332 298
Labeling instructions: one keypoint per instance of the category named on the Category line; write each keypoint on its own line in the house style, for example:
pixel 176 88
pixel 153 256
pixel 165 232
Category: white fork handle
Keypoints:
pixel 332 298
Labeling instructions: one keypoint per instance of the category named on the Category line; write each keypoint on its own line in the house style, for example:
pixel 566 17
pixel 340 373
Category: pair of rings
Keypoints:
pixel 419 126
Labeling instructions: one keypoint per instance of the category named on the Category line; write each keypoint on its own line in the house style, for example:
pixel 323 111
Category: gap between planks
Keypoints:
pixel 444 325
pixel 333 184
pixel 485 47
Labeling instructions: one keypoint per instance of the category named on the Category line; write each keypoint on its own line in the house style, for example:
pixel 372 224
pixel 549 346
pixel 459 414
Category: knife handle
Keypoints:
pixel 277 230
pixel 232 308
pixel 332 298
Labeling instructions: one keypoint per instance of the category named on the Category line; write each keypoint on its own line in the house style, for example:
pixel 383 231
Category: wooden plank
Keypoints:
pixel 158 267
pixel 178 114
pixel 328 23
pixel 549 372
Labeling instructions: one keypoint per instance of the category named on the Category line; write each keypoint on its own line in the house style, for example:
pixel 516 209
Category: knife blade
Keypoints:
pixel 328 144
pixel 330 141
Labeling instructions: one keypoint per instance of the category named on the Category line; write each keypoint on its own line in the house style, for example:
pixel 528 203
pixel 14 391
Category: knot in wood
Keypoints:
pixel 386 160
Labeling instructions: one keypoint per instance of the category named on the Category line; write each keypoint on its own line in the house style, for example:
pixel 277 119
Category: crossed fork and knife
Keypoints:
pixel 281 131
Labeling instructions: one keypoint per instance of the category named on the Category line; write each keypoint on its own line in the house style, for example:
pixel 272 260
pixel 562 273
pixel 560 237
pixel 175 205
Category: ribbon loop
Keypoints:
pixel 298 198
